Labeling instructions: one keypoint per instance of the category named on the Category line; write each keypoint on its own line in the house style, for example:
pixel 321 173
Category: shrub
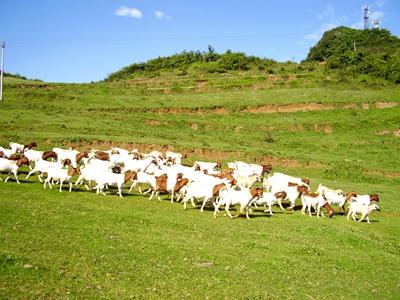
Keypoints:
pixel 234 61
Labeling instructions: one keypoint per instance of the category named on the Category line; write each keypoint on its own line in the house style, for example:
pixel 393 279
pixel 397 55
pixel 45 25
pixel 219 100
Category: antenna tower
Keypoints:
pixel 365 16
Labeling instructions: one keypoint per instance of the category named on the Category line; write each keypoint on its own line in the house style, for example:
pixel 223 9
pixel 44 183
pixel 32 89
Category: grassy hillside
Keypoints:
pixel 75 245
pixel 304 119
pixel 311 125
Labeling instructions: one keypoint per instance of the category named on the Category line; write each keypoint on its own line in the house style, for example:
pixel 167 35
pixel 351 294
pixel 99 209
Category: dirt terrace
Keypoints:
pixel 279 108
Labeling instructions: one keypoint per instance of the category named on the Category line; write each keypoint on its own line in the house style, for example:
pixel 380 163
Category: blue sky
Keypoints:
pixel 83 41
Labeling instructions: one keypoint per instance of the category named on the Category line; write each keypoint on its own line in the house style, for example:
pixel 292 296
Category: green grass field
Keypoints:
pixel 80 245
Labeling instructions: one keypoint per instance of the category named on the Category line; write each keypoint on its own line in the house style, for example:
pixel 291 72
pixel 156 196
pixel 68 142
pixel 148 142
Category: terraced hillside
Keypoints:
pixel 308 125
pixel 74 245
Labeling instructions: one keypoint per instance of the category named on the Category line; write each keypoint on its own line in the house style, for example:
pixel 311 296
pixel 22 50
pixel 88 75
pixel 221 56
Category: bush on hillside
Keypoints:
pixel 209 62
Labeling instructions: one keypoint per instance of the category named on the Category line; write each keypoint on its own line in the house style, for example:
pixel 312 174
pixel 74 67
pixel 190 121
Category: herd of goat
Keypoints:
pixel 204 181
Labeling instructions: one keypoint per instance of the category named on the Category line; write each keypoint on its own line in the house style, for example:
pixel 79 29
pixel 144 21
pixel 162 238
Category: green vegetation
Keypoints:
pixel 348 56
pixel 203 62
pixel 375 52
pixel 306 119
pixel 18 77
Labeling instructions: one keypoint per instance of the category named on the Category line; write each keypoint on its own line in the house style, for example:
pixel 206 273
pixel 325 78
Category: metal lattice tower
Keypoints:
pixel 365 16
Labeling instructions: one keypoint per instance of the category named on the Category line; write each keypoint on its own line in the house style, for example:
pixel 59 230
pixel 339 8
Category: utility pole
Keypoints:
pixel 3 45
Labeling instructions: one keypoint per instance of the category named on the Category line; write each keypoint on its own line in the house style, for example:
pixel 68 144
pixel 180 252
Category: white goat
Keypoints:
pixel 279 180
pixel 33 155
pixel 232 196
pixel 314 200
pixel 43 166
pixel 16 147
pixel 175 157
pixel 365 211
pixel 245 181
pixel 269 199
pixel 61 175
pixel 143 178
pixel 246 169
pixel 113 179
pixel 92 171
pixel 203 189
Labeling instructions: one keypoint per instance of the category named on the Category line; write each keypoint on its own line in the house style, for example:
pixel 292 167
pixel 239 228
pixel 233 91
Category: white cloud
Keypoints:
pixel 131 12
pixel 160 15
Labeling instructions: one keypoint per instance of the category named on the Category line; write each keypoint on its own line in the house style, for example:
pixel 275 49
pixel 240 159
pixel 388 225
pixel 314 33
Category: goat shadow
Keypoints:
pixel 371 221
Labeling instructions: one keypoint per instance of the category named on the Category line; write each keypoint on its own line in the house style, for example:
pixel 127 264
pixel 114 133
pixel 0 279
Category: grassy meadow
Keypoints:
pixel 80 245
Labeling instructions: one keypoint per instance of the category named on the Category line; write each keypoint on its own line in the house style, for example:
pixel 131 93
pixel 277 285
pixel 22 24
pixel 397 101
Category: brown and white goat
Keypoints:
pixel 12 166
